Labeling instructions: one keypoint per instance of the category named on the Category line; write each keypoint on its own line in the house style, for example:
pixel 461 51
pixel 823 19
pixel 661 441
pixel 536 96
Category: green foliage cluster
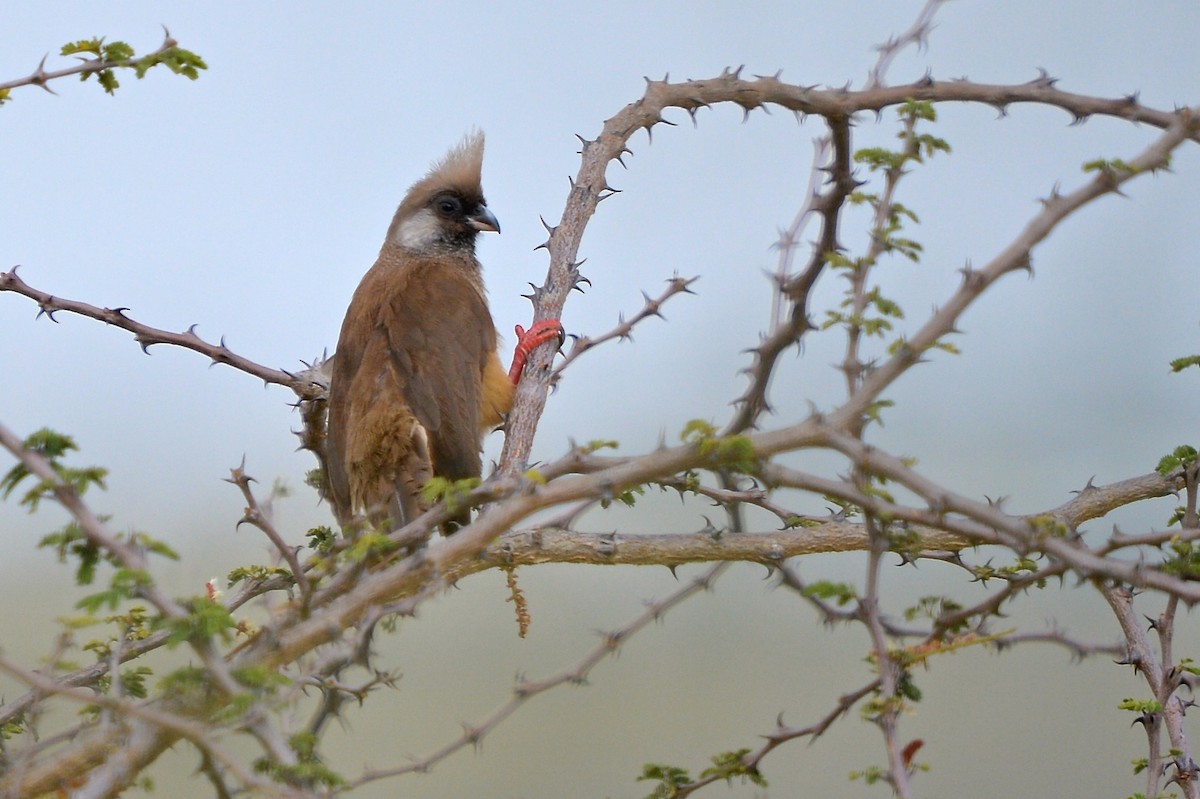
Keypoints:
pixel 1181 457
pixel 369 545
pixel 1141 706
pixel 257 574
pixel 1179 364
pixel 52 447
pixel 735 453
pixel 725 765
pixel 455 493
pixel 308 770
pixel 1046 525
pixel 207 618
pixel 870 775
pixel 1184 558
pixel 628 497
pixel 1024 565
pixel 841 593
pixel 865 310
pixel 934 608
pixel 119 55
pixel 104 59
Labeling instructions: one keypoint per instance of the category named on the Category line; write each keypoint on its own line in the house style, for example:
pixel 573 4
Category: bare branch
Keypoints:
pixel 254 515
pixel 624 329
pixel 306 386
pixel 577 674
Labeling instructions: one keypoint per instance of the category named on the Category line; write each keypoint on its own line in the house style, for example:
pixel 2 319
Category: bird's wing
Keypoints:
pixel 440 335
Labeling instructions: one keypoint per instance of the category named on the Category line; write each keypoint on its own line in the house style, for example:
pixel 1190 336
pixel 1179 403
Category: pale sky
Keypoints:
pixel 251 201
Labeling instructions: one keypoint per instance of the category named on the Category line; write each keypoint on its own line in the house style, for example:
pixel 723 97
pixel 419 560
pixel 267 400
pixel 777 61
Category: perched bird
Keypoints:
pixel 416 379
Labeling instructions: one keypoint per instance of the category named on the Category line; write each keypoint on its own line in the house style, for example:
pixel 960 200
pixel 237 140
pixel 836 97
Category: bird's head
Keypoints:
pixel 445 210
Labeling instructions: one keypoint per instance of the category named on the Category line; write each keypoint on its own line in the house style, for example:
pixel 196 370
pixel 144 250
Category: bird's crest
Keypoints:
pixel 460 169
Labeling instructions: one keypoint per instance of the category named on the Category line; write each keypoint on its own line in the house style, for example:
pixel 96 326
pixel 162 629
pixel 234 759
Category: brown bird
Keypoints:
pixel 416 379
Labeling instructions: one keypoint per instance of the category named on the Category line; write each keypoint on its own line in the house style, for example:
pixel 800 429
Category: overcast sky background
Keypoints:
pixel 251 201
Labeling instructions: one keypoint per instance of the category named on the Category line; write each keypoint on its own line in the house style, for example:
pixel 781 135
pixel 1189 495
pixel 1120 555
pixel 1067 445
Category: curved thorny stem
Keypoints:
pixel 337 595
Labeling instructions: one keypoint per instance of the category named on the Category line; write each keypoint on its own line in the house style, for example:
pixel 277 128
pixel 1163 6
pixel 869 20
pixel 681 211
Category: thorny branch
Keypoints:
pixel 257 516
pixel 577 674
pixel 194 731
pixel 624 329
pixel 938 524
pixel 306 385
pixel 85 66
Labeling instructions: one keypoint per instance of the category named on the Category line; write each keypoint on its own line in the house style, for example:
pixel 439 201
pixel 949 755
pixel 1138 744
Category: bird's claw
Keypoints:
pixel 529 340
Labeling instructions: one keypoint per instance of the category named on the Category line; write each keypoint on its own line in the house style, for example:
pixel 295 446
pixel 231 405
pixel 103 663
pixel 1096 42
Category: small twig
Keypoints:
pixel 797 289
pixel 306 386
pixel 624 329
pixel 85 66
pixel 1162 678
pixel 525 690
pixel 254 515
pixel 783 734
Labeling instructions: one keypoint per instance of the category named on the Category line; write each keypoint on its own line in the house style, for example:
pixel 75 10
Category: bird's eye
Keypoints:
pixel 448 206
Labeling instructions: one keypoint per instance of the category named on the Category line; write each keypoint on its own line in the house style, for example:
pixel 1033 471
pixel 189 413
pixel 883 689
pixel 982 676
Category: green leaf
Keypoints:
pixel 206 619
pixel 322 539
pixel 133 681
pixel 1181 456
pixel 1177 365
pixel 628 497
pixel 117 51
pixel 879 159
pixel 153 545
pixel 125 584
pixel 870 775
pixel 260 678
pixel 368 545
pixel 670 779
pixel 917 109
pixel 82 46
pixel 873 410
pixel 51 446
pixel 842 593
pixel 728 765
pixel 1150 706
pixel 1110 166
pixel 307 770
pixel 70 542
pixel 180 61
pixel 108 79
pixel 931 607
pixel 255 574
pixel 697 431
pixel 452 492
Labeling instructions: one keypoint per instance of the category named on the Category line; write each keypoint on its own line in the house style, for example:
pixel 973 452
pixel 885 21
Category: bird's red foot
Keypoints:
pixel 529 340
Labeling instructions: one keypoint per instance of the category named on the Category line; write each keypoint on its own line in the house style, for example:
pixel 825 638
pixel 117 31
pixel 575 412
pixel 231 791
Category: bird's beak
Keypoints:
pixel 483 220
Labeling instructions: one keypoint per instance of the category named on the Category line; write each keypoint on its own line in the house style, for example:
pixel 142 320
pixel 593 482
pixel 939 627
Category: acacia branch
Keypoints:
pixel 753 403
pixel 652 307
pixel 577 674
pixel 177 726
pixel 1164 680
pixel 590 186
pixel 85 67
pixel 255 515
pixel 307 385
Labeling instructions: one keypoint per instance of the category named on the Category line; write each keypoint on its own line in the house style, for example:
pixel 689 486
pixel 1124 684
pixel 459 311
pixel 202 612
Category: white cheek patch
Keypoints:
pixel 419 231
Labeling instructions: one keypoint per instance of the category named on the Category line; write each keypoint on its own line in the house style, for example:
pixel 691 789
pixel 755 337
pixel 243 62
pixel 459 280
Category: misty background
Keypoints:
pixel 251 201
